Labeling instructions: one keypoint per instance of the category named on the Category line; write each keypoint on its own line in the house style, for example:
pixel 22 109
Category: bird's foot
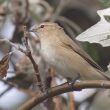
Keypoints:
pixel 72 81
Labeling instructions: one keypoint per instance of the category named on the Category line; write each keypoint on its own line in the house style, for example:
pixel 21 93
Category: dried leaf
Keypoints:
pixel 4 65
pixel 100 32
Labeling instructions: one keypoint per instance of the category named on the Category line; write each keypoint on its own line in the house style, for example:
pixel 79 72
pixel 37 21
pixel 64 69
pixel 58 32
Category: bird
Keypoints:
pixel 65 55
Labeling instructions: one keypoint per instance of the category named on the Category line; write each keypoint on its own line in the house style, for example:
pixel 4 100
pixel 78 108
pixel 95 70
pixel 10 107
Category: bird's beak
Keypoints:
pixel 32 30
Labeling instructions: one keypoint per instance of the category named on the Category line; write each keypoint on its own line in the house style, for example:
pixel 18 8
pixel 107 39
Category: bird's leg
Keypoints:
pixel 47 84
pixel 72 81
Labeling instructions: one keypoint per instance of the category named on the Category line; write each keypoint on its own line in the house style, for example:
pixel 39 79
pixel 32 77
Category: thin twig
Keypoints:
pixel 28 53
pixel 58 10
pixel 72 24
pixel 48 8
pixel 3 41
pixel 5 91
pixel 12 85
pixel 71 101
pixel 62 89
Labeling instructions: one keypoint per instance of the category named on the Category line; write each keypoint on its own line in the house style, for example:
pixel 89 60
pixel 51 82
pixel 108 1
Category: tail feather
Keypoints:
pixel 105 75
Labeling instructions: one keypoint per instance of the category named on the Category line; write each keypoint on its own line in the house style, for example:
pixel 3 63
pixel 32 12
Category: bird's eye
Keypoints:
pixel 42 26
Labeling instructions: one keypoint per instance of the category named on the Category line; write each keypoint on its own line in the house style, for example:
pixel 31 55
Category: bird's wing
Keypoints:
pixel 68 43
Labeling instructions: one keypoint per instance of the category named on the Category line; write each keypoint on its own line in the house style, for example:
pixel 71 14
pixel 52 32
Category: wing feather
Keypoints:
pixel 68 43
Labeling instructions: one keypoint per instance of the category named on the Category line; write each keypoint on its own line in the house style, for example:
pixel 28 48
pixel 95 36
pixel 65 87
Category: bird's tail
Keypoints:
pixel 106 76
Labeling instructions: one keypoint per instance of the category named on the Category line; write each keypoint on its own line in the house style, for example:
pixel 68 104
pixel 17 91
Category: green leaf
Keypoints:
pixel 107 18
pixel 90 49
pixel 105 2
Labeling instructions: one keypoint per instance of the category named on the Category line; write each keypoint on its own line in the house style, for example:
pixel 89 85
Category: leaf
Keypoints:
pixel 100 32
pixel 108 71
pixel 91 50
pixel 105 2
pixel 107 18
pixel 4 65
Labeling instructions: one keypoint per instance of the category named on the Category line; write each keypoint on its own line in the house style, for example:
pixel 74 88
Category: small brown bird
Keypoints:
pixel 63 54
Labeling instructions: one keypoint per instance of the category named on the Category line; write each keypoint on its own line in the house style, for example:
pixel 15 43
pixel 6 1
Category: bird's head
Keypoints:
pixel 45 29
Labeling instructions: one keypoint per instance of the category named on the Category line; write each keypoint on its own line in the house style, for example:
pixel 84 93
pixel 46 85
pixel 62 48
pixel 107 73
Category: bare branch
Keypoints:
pixel 62 89
pixel 71 101
pixel 72 24
pixel 58 10
pixel 28 53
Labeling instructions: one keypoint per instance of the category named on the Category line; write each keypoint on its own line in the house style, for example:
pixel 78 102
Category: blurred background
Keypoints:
pixel 74 16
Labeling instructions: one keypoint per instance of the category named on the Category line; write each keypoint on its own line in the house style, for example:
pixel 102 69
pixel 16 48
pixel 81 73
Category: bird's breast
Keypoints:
pixel 48 52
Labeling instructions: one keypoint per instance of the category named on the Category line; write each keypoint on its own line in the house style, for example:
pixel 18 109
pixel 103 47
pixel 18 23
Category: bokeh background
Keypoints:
pixel 74 16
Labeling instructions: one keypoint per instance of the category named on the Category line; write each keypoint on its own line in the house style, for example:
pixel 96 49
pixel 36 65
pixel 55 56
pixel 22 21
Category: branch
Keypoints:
pixel 12 85
pixel 71 101
pixel 62 89
pixel 72 24
pixel 28 53
pixel 58 10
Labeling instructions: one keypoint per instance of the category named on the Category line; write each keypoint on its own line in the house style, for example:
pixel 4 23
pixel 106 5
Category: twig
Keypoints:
pixel 48 8
pixel 5 91
pixel 57 100
pixel 26 11
pixel 62 89
pixel 58 10
pixel 71 101
pixel 3 41
pixel 72 24
pixel 11 85
pixel 28 53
